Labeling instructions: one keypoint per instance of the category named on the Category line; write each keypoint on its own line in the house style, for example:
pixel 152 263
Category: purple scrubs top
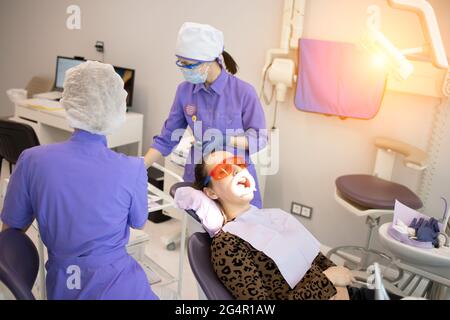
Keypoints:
pixel 85 198
pixel 228 103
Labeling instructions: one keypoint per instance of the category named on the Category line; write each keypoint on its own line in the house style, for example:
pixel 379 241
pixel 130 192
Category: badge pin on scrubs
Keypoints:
pixel 191 111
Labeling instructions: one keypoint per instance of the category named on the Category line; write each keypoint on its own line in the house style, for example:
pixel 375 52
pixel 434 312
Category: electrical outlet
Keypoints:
pixel 301 210
pixel 306 212
pixel 296 208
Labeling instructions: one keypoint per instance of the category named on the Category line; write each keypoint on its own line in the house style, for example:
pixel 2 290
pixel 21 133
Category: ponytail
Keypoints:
pixel 230 64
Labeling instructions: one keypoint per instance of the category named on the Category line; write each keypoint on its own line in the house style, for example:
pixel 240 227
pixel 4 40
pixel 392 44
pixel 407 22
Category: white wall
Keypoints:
pixel 315 149
pixel 324 148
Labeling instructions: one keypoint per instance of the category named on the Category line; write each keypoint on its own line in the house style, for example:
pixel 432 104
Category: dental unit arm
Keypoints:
pixel 430 28
pixel 430 77
pixel 279 68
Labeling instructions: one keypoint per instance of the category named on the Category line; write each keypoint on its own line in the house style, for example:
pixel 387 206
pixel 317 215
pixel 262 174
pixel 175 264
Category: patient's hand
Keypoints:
pixel 339 276
pixel 342 294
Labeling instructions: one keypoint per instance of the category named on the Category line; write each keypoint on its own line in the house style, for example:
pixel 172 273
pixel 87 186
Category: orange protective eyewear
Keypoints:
pixel 224 169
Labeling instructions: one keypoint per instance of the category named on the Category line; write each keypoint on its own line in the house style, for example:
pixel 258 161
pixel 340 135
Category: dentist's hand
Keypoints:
pixel 152 156
pixel 340 276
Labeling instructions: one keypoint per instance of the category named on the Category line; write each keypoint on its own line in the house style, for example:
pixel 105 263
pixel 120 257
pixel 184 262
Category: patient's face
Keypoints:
pixel 236 188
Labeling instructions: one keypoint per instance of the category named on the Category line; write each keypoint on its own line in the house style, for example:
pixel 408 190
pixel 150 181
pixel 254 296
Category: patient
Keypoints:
pixel 295 270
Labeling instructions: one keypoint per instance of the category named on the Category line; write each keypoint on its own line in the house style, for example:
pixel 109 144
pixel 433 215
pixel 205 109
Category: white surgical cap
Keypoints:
pixel 199 42
pixel 94 98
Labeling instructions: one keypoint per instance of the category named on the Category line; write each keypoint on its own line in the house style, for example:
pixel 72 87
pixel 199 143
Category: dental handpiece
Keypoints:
pixel 360 282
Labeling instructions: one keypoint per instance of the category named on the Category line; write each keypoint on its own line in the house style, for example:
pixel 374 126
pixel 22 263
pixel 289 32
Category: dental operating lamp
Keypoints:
pixel 387 54
pixel 395 59
pixel 279 68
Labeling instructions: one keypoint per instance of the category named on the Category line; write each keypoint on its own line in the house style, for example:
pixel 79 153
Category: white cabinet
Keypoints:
pixel 48 120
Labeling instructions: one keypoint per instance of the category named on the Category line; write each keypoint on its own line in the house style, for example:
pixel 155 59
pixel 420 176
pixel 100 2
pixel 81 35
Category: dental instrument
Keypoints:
pixel 376 281
pixel 362 283
pixel 446 215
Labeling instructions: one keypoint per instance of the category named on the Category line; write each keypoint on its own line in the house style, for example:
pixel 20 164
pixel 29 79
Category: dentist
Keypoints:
pixel 223 111
pixel 84 196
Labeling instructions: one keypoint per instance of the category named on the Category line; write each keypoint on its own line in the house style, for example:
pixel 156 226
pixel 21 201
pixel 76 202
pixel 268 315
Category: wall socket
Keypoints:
pixel 301 210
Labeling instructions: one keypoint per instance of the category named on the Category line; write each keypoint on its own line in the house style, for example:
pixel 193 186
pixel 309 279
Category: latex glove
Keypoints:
pixel 426 231
pixel 340 276
pixel 206 209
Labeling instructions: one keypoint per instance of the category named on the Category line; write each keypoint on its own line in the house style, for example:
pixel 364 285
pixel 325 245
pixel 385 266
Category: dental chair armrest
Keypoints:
pixel 415 158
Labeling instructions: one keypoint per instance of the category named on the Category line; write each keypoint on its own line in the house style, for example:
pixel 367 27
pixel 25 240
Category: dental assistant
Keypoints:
pixel 211 99
pixel 84 196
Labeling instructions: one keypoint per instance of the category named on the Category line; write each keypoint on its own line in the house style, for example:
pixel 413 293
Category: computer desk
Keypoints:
pixel 48 120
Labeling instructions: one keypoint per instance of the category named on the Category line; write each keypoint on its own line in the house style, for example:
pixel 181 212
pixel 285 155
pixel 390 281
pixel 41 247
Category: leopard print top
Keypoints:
pixel 251 275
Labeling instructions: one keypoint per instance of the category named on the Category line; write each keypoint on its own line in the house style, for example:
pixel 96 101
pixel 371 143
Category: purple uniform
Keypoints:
pixel 85 198
pixel 228 103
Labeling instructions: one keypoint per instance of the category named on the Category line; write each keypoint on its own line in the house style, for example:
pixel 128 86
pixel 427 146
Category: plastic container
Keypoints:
pixel 16 95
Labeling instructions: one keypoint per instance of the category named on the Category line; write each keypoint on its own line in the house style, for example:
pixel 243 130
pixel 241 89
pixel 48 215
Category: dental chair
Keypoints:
pixel 19 263
pixel 373 196
pixel 199 256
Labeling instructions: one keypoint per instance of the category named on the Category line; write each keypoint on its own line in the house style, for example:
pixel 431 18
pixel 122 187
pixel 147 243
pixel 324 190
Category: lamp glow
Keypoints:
pixel 385 53
pixel 379 60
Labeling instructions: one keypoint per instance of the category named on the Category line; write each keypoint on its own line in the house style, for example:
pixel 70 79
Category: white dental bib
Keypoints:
pixel 281 237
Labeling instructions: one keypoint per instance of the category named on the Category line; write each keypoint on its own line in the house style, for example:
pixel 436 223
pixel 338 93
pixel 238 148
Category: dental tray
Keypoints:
pixel 406 214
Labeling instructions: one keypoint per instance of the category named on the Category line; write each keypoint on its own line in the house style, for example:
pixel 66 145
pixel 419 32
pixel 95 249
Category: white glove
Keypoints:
pixel 340 276
pixel 206 209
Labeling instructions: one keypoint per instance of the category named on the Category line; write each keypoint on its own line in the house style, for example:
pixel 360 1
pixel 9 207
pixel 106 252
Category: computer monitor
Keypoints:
pixel 127 76
pixel 62 65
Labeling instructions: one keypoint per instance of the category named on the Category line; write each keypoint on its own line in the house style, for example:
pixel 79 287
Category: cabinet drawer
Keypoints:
pixel 27 114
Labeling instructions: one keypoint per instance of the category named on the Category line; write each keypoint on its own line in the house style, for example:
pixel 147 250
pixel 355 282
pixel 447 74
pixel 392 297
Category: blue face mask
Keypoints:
pixel 195 76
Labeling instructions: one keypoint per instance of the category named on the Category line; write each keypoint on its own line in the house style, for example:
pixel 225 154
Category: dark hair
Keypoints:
pixel 200 176
pixel 230 64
